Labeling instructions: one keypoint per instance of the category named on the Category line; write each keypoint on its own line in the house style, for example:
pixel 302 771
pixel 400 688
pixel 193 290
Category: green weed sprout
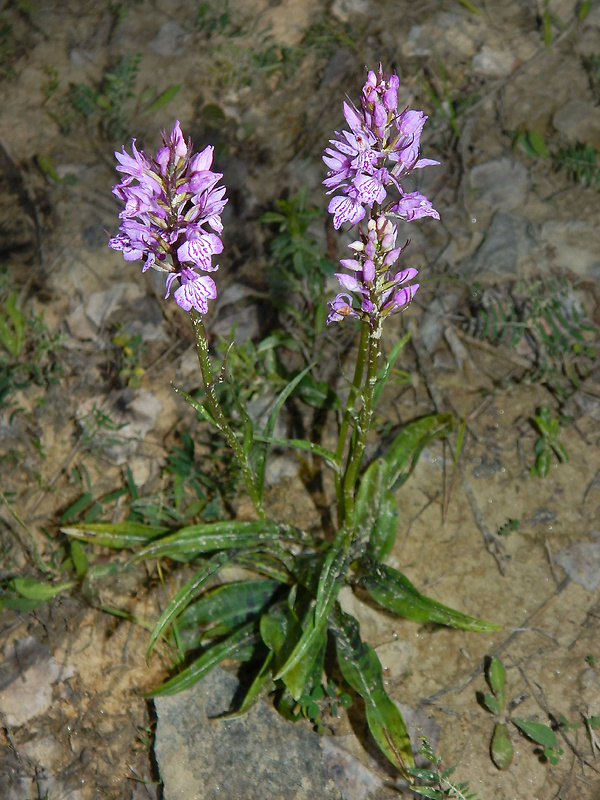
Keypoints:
pixel 285 620
pixel 501 748
pixel 549 428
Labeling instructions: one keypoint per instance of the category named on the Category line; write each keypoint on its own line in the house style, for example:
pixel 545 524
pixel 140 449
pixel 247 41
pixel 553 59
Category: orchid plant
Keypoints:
pixel 288 617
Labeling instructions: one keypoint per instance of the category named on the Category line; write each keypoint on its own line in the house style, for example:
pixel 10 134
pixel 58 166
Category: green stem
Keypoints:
pixel 364 423
pixel 343 433
pixel 218 416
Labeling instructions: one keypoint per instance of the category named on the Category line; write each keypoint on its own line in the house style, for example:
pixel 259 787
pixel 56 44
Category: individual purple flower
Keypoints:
pixel 169 201
pixel 194 292
pixel 413 206
pixel 340 307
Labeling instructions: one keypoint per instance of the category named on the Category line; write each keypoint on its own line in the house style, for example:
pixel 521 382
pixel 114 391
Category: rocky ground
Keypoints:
pixel 513 93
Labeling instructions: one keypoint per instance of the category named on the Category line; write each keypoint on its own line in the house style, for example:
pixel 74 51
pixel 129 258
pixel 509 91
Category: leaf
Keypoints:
pixel 186 594
pixel 537 732
pixel 204 413
pixel 385 371
pixel 330 582
pixel 164 97
pixel 501 748
pixel 496 678
pixel 261 451
pixel 231 647
pixel 118 535
pixel 261 680
pixel 217 536
pixel 392 590
pixel 31 589
pixel 80 559
pixel 223 609
pixel 404 452
pixel 302 444
pixel 492 704
pixel 362 671
pixel 376 511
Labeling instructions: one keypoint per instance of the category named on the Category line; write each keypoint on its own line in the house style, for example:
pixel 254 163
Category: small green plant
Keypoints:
pixel 110 109
pixel 501 748
pixel 28 351
pixel 548 428
pixel 436 783
pixel 581 162
pixel 547 317
pixel 509 526
pixel 297 270
pixel 131 349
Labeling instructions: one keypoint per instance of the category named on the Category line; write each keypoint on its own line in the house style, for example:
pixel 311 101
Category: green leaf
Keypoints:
pixel 584 10
pixel 204 413
pixel 362 671
pixel 231 647
pixel 80 559
pixel 164 97
pixel 385 371
pixel 427 791
pixel 118 534
pixel 542 464
pixel 537 732
pixel 186 594
pixel 501 748
pixel 31 589
pixel 392 590
pixel 261 451
pixel 404 452
pixel 492 704
pixel 496 678
pixel 376 511
pixel 213 536
pixel 223 609
pixel 302 444
pixel 330 582
pixel 261 681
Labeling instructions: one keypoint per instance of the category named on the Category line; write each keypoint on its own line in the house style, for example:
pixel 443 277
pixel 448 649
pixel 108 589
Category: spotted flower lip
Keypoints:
pixel 170 201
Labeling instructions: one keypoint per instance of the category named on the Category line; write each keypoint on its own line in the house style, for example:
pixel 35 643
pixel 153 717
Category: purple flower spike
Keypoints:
pixel 169 199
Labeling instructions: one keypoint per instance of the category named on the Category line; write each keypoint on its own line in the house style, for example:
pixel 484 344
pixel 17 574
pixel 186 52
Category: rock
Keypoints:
pixel 26 677
pixel 495 63
pixel 257 756
pixel 344 9
pixel 447 34
pixel 579 122
pixel 507 241
pixel 353 780
pixel 169 40
pixel 575 245
pixel 501 183
pixel 581 562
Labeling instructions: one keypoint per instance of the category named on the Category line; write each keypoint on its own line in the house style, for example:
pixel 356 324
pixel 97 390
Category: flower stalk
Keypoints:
pixel 217 413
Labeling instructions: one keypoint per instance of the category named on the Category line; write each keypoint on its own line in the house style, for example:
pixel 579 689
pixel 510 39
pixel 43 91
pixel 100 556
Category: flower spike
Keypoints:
pixel 169 199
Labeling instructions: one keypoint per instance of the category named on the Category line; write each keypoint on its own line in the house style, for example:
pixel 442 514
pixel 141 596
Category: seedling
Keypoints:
pixel 501 747
pixel 549 429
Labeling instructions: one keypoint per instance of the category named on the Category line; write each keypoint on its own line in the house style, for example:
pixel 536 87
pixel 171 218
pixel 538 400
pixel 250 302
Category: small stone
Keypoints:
pixel 582 564
pixel 579 122
pixel 508 240
pixel 495 63
pixel 169 40
pixel 501 183
pixel 26 677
